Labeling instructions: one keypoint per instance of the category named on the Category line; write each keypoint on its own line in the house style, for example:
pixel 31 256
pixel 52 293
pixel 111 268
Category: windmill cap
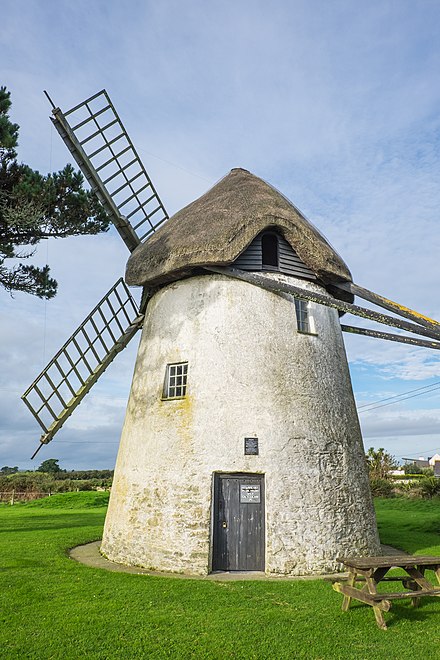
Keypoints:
pixel 216 228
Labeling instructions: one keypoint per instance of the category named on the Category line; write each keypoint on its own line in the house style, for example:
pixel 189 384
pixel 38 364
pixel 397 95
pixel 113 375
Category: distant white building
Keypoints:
pixel 422 462
pixel 432 461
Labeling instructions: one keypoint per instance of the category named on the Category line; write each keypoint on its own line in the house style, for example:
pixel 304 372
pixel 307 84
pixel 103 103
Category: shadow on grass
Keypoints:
pixel 398 612
pixel 410 613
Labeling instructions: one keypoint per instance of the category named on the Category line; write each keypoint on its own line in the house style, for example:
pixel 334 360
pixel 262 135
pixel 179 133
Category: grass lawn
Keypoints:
pixel 53 607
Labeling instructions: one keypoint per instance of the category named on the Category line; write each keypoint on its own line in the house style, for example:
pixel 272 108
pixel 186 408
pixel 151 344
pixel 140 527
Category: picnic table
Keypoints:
pixel 370 571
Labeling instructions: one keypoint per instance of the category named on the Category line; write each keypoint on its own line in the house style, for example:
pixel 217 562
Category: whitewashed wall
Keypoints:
pixel 250 373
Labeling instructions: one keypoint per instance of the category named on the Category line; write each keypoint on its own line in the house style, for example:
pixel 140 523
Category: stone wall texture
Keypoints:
pixel 250 373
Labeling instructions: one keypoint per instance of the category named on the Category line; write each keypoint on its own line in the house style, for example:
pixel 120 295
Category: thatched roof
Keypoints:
pixel 219 225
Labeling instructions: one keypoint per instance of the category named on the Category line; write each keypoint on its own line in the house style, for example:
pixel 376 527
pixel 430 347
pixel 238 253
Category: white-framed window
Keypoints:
pixel 303 318
pixel 175 380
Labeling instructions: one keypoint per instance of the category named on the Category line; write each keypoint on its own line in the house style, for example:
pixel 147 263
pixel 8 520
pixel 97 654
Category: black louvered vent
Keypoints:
pixel 288 260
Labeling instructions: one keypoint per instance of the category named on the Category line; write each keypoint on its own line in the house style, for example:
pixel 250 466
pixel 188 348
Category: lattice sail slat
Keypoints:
pixel 62 385
pixel 99 143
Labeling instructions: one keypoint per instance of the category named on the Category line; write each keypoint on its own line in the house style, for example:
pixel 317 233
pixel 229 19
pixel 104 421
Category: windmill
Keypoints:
pixel 241 447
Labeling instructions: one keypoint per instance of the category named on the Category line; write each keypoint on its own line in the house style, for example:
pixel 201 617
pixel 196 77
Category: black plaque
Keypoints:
pixel 251 446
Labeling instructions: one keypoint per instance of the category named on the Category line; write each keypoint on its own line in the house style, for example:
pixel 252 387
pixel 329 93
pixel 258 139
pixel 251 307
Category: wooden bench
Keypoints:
pixel 372 570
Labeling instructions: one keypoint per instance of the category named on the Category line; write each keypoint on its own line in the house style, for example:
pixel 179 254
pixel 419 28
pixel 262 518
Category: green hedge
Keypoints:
pixel 399 477
pixel 42 482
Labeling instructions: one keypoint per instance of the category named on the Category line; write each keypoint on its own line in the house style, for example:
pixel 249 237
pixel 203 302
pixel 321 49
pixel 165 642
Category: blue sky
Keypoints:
pixel 334 103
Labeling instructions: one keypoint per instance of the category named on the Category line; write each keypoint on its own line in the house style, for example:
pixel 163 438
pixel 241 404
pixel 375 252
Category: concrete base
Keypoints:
pixel 90 555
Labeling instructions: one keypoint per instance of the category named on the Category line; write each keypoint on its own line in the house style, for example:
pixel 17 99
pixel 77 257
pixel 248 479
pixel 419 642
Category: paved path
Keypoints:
pixel 90 556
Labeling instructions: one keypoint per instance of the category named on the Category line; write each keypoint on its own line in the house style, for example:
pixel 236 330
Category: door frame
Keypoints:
pixel 214 481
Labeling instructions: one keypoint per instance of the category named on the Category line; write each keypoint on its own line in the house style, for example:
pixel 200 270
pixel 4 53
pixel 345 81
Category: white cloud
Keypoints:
pixel 379 424
pixel 394 360
pixel 402 432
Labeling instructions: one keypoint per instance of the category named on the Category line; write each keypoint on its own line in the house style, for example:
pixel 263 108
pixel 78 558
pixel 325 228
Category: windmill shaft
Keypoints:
pixel 304 294
pixel 125 230
pixel 391 306
pixel 390 337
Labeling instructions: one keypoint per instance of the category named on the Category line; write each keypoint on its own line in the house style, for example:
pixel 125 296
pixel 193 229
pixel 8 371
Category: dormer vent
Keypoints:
pixel 270 251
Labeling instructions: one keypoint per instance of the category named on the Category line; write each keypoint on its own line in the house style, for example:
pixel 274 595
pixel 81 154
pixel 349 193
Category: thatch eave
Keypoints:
pixel 216 228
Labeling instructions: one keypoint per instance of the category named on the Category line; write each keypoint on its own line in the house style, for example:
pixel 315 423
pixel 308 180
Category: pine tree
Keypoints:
pixel 34 207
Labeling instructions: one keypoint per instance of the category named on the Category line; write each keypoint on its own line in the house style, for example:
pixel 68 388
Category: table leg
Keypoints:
pixel 417 574
pixel 415 602
pixel 351 582
pixel 372 588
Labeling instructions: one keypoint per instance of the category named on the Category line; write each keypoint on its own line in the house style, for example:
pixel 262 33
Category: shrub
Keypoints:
pixel 429 487
pixel 412 468
pixel 410 489
pixel 26 482
pixel 85 485
pixel 381 488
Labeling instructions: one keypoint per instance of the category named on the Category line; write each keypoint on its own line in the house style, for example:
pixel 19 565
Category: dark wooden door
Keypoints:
pixel 238 534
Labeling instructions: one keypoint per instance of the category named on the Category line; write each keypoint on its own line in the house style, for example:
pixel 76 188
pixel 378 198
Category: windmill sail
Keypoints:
pixel 63 384
pixel 391 306
pixel 99 143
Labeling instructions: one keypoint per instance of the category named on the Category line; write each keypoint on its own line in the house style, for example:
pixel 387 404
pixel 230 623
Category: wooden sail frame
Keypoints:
pixel 69 376
pixel 102 148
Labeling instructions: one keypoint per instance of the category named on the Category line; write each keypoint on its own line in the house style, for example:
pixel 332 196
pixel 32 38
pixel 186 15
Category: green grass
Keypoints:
pixel 81 500
pixel 411 525
pixel 53 607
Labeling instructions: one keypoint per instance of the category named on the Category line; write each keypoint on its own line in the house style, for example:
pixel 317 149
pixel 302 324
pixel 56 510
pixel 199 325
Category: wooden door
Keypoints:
pixel 238 528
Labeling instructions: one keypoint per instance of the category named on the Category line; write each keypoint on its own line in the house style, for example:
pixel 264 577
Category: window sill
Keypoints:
pixel 172 398
pixel 309 334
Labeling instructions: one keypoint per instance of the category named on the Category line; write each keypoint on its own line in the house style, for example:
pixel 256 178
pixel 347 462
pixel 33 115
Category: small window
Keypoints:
pixel 302 316
pixel 175 381
pixel 269 250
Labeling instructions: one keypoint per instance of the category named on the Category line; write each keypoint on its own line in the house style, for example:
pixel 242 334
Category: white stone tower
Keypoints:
pixel 241 448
